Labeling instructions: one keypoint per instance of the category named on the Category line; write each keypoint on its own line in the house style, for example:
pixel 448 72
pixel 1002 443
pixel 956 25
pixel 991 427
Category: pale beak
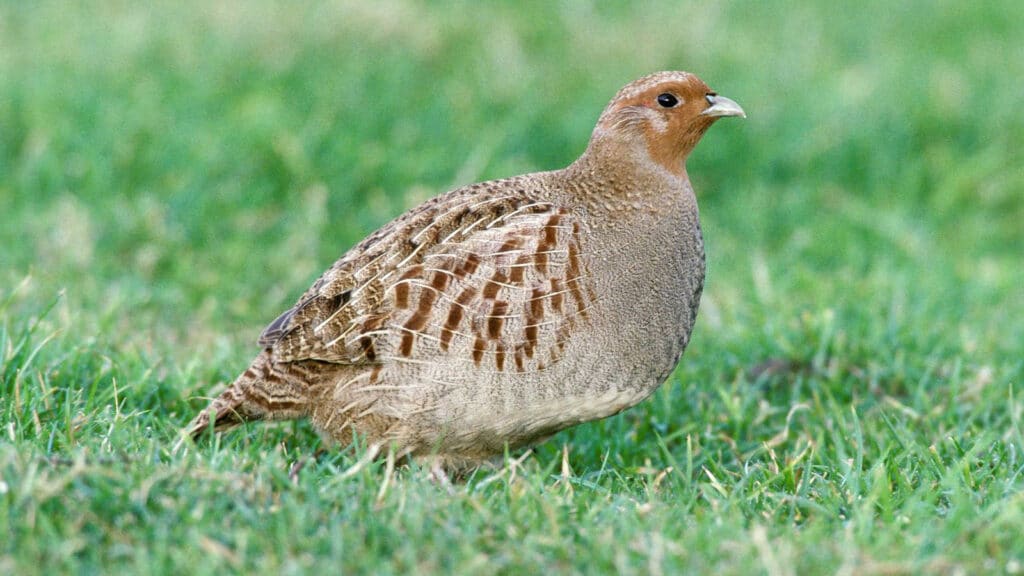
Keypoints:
pixel 722 106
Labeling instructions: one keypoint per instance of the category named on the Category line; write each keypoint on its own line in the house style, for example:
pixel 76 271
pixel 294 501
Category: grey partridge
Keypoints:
pixel 499 313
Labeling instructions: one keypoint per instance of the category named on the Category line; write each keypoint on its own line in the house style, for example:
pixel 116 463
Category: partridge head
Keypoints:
pixel 664 115
pixel 499 313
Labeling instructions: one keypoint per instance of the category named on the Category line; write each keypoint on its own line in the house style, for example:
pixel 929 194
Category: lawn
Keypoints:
pixel 175 174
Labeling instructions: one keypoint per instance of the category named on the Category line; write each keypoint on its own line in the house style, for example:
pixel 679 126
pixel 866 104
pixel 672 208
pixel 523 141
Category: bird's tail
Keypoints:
pixel 260 393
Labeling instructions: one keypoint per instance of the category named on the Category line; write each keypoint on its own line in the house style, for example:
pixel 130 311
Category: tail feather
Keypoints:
pixel 224 412
pixel 260 393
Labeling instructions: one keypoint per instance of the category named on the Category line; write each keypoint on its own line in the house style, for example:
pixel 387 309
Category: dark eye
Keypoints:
pixel 667 100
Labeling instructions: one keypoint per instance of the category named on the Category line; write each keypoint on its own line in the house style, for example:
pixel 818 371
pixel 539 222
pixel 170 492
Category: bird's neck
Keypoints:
pixel 619 178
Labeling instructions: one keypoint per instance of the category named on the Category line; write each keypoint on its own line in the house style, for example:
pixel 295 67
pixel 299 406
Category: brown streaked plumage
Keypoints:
pixel 500 313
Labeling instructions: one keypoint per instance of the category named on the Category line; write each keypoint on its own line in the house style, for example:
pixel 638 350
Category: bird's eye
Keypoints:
pixel 667 100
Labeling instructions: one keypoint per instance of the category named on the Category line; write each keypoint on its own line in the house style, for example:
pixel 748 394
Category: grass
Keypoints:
pixel 173 176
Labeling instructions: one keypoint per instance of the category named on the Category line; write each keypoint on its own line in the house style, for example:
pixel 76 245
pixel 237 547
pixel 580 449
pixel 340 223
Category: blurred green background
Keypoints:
pixel 174 174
